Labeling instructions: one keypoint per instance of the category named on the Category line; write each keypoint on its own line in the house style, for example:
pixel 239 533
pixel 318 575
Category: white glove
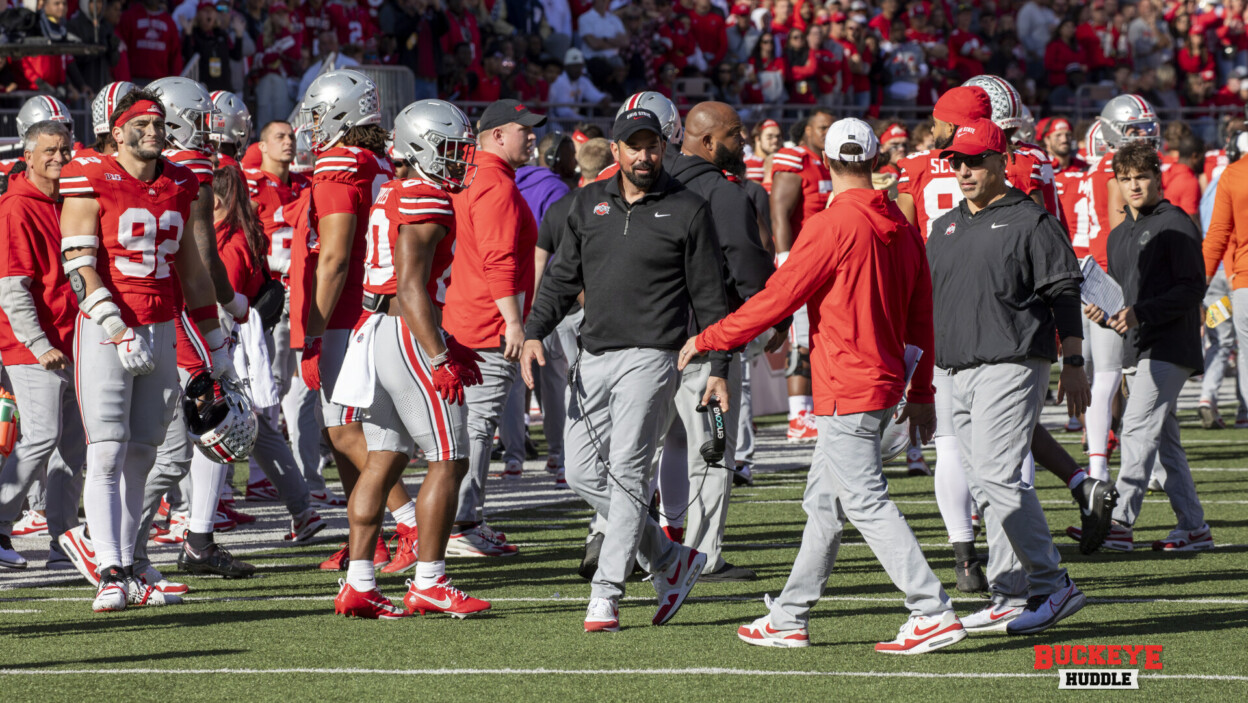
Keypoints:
pixel 222 361
pixel 134 353
pixel 238 308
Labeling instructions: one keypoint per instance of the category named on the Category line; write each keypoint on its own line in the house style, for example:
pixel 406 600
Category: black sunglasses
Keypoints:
pixel 970 161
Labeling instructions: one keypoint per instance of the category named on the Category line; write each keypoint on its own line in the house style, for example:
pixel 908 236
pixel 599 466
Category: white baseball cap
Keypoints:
pixel 850 130
pixel 573 57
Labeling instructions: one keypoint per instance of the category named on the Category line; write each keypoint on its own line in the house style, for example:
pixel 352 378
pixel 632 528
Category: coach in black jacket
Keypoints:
pixel 643 249
pixel 714 143
pixel 1155 256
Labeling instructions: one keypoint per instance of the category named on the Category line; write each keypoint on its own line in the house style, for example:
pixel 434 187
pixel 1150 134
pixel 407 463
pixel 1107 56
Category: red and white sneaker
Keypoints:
pixel 1120 539
pixel 305 525
pixel 371 605
pixel 995 617
pixel 553 465
pixel 327 499
pixel 1185 540
pixel 110 597
pixel 674 584
pixel 923 633
pixel 442 598
pixel 179 523
pixel 479 541
pixel 222 523
pixel 224 508
pixel 157 580
pixel 405 553
pixel 337 562
pixel 163 511
pixel 381 553
pixel 561 478
pixel 802 428
pixel 77 546
pixel 139 592
pixel 603 615
pixel 262 491
pixel 916 465
pixel 31 525
pixel 761 633
pixel 513 470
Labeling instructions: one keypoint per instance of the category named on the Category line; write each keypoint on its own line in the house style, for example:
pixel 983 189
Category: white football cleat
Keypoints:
pixel 138 592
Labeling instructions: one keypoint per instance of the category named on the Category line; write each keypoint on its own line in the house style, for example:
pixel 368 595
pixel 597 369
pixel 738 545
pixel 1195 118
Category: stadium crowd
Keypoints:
pixel 396 311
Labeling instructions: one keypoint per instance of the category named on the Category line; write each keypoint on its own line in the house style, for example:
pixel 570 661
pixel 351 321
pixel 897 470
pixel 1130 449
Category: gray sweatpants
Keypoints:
pixel 485 406
pixel 302 408
pixel 995 410
pixel 1221 342
pixel 1150 427
pixel 51 425
pixel 846 482
pixel 619 403
pixel 512 429
pixel 560 348
pixel 744 452
pixel 708 488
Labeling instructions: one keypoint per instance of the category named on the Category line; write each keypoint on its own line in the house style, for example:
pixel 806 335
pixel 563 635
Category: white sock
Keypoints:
pixel 405 515
pixel 360 575
pixel 808 403
pixel 1098 467
pixel 1079 477
pixel 796 405
pixel 428 573
pixel 953 497
pixel 101 497
pixel 207 479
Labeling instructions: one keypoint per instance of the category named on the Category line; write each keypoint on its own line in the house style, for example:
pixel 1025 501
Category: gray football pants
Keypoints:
pixel 485 406
pixel 615 411
pixel 302 408
pixel 995 411
pixel 52 445
pixel 561 348
pixel 846 482
pixel 708 488
pixel 1221 342
pixel 1151 445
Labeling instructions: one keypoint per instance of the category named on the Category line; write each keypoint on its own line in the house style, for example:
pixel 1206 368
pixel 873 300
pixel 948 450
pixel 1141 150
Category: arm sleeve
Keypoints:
pixel 1056 273
pixel 19 306
pixel 561 284
pixel 1187 289
pixel 1221 227
pixel 920 331
pixel 498 236
pixel 1063 297
pixel 704 281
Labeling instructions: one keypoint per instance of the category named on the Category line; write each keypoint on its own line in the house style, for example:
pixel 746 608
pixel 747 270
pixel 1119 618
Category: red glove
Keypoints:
pixel 467 359
pixel 449 379
pixel 310 365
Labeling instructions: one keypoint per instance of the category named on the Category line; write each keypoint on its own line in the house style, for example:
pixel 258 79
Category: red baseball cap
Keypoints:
pixel 894 131
pixel 975 138
pixel 963 104
pixel 1049 125
pixel 740 9
pixel 838 17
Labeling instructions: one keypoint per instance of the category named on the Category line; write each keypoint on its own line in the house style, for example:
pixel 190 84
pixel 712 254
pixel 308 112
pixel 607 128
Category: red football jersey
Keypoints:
pixel 1030 170
pixel 755 168
pixel 140 229
pixel 411 202
pixel 6 165
pixel 930 180
pixel 816 182
pixel 245 272
pixel 1095 208
pixel 302 264
pixel 1180 186
pixel 270 195
pixel 198 162
pixel 1069 194
pixel 346 180
pixel 352 24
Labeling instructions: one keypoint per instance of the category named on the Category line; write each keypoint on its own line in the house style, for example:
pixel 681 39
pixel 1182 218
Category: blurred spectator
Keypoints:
pixel 96 23
pixel 54 73
pixel 710 34
pixel 153 41
pixel 254 15
pixel 638 55
pixel 1063 51
pixel 1036 23
pixel 276 64
pixel 574 88
pixel 557 16
pixel 1149 38
pixel 741 33
pixel 1195 57
pixel 215 48
pixel 530 86
pixel 416 25
pixel 1167 88
pixel 1096 38
pixel 488 85
pixel 462 28
pixel 602 34
pixel 327 43
pixel 1231 48
pixel 802 69
pixel 905 66
pixel 1063 98
pixel 967 50
pixel 353 23
pixel 310 20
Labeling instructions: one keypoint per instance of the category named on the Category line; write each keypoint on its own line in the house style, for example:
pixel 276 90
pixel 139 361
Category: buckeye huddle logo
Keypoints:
pixel 1048 656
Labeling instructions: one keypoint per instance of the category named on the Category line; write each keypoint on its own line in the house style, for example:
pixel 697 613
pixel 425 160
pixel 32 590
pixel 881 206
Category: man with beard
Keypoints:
pixel 714 144
pixel 644 238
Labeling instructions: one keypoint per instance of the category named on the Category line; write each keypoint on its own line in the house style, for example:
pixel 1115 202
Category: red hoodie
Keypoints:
pixel 862 271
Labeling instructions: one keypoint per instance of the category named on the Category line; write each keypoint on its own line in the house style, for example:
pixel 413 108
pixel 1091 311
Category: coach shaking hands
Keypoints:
pixel 643 249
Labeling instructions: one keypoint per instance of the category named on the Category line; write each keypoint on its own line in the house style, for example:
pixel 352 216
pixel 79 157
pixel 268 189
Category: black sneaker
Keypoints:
pixel 9 557
pixel 968 569
pixel 589 564
pixel 730 573
pixel 213 561
pixel 743 476
pixel 1096 500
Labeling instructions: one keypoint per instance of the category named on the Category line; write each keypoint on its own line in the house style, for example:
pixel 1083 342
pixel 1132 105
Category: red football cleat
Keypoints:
pixel 371 605
pixel 405 553
pixel 229 512
pixel 381 555
pixel 442 598
pixel 338 562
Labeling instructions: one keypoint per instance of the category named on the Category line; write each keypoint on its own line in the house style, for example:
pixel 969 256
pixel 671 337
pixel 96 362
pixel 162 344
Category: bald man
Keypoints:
pixel 694 492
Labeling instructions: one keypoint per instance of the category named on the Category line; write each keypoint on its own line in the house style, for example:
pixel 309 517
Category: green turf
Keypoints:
pixel 1200 638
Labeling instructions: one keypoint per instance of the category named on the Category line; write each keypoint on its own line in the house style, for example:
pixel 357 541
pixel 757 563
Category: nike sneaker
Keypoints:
pixel 305 525
pixel 442 598
pixel 673 584
pixel 370 605
pixel 213 561
pixel 479 541
pixel 1186 540
pixel 10 558
pixel 111 595
pixel 923 633
pixel 77 546
pixel 993 618
pixel 1096 500
pixel 31 524
pixel 1044 611
pixel 262 491
pixel 327 499
pixel 603 615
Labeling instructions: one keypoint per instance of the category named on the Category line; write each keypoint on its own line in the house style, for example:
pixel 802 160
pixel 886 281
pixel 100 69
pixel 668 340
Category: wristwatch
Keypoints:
pixel 1074 360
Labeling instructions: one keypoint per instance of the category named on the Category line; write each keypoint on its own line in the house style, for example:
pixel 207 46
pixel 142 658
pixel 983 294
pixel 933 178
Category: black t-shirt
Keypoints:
pixel 995 277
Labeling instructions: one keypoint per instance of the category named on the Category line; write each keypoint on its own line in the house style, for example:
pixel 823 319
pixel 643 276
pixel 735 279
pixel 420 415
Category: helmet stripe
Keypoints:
pixel 53 108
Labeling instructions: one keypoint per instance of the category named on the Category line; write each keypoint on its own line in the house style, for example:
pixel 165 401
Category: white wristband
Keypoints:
pixel 87 241
pixel 96 297
pixel 77 263
pixel 237 307
pixel 215 339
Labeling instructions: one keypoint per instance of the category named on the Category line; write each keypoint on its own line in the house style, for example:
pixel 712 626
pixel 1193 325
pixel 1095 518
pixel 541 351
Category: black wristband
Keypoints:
pixel 1073 360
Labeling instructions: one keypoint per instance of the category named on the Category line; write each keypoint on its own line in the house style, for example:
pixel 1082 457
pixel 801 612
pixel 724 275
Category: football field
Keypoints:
pixel 274 637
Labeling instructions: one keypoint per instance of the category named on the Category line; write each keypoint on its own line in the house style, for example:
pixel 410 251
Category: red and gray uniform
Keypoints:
pixel 193 353
pixel 816 186
pixel 406 410
pixel 271 195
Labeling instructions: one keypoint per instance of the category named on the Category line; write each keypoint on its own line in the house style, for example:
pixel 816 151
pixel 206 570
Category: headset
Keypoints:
pixel 551 155
pixel 712 450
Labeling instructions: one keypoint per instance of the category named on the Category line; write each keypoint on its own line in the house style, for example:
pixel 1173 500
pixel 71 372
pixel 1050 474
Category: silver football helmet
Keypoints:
pixel 1129 118
pixel 1026 133
pixel 42 108
pixel 436 138
pixel 231 124
pixel 1007 104
pixel 336 102
pixel 664 109
pixel 219 418
pixel 1095 140
pixel 105 102
pixel 188 111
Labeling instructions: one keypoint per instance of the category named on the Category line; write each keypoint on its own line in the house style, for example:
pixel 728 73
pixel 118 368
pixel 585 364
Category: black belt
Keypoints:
pixel 377 302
